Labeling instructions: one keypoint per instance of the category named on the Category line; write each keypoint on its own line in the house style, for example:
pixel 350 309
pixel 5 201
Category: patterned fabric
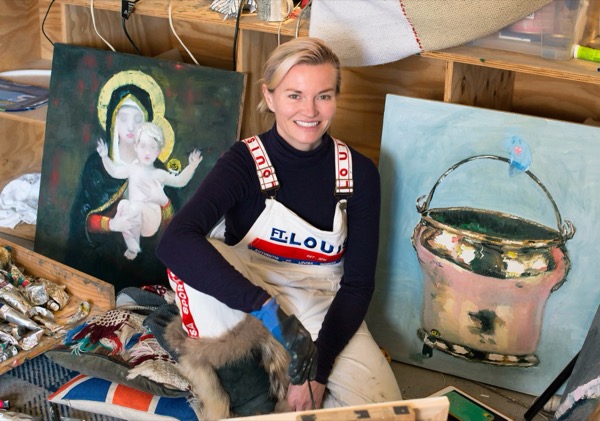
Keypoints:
pixel 366 32
pixel 117 346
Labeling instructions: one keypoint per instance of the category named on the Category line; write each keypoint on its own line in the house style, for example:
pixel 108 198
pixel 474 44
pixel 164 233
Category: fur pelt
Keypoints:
pixel 200 357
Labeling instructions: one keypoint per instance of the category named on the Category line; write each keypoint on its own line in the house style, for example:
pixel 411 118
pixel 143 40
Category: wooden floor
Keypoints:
pixel 416 382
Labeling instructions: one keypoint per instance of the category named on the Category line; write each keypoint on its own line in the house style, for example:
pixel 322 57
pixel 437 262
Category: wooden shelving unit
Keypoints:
pixel 567 90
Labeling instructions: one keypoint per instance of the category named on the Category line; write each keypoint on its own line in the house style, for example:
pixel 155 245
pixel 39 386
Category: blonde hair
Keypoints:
pixel 153 131
pixel 303 50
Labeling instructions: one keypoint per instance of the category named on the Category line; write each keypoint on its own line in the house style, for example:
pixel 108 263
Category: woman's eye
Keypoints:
pixel 294 96
pixel 325 97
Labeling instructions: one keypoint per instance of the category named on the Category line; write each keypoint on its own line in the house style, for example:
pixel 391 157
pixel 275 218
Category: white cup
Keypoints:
pixel 274 10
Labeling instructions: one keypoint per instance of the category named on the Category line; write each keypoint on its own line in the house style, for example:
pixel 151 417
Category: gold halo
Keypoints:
pixel 157 102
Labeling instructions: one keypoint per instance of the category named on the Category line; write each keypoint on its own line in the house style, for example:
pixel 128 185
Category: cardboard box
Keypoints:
pixel 82 287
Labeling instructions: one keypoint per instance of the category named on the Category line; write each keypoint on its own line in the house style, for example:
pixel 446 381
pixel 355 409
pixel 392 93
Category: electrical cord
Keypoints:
pixel 44 21
pixel 128 37
pixel 170 13
pixel 236 33
pixel 96 29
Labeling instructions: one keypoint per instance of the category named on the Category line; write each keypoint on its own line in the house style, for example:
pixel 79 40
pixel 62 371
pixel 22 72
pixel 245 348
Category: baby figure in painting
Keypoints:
pixel 149 142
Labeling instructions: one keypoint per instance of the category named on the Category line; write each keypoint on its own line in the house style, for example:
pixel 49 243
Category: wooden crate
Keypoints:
pixel 81 287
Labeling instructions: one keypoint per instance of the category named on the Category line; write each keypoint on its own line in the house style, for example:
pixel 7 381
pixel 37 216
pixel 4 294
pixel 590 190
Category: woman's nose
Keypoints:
pixel 310 108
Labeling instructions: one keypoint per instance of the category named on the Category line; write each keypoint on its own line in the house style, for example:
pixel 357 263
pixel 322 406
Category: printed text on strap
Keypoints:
pixel 265 171
pixel 344 184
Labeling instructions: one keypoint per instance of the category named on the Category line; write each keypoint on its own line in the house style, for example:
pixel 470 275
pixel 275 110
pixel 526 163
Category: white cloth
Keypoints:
pixel 19 201
pixel 372 32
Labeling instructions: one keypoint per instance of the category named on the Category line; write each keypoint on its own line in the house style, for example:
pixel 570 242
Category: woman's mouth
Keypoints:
pixel 307 124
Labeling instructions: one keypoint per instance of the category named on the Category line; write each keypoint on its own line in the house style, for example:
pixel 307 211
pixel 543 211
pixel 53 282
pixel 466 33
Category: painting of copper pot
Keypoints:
pixel 486 278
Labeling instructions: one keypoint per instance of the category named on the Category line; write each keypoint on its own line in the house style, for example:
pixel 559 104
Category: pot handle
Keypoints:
pixel 565 228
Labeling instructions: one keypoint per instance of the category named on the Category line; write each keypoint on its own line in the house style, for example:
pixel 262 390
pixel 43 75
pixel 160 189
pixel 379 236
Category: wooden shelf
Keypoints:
pixel 198 11
pixel 573 69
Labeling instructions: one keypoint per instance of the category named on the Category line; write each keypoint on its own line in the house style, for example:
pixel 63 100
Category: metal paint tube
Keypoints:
pixel 11 315
pixel 9 352
pixel 586 53
pixel 13 297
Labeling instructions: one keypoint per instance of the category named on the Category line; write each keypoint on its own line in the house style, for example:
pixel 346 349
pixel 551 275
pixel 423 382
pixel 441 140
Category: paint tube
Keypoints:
pixel 14 331
pixel 30 340
pixel 9 352
pixel 11 296
pixel 37 293
pixel 586 53
pixel 51 326
pixel 83 310
pixel 57 294
pixel 11 315
pixel 41 311
pixel 7 338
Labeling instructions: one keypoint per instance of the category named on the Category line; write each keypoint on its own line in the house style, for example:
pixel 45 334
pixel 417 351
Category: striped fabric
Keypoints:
pixel 371 32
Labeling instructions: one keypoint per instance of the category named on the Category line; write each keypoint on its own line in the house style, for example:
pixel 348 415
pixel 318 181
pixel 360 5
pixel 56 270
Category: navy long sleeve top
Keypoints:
pixel 307 178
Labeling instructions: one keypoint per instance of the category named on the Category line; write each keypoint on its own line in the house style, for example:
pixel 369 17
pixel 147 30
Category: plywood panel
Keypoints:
pixel 552 98
pixel 254 48
pixel 19 27
pixel 359 118
pixel 150 34
pixel 479 86
pixel 211 45
pixel 21 146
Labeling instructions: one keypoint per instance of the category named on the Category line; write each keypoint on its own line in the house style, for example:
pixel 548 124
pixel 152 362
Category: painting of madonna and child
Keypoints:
pixel 128 140
pixel 488 258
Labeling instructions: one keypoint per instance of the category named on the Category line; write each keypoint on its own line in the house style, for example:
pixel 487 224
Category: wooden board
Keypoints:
pixel 427 409
pixel 82 287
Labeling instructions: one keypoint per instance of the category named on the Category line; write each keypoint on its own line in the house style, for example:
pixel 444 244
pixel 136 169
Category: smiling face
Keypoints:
pixel 304 104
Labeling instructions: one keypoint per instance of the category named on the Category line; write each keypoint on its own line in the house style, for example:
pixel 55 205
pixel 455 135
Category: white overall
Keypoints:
pixel 301 267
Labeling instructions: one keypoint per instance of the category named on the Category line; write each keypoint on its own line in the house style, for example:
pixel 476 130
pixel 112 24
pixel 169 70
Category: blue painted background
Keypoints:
pixel 421 140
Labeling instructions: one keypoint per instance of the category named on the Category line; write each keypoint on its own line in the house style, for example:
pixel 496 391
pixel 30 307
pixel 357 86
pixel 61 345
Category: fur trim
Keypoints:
pixel 200 357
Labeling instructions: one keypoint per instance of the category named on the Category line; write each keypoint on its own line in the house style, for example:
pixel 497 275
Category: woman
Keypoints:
pixel 301 222
pixel 127 100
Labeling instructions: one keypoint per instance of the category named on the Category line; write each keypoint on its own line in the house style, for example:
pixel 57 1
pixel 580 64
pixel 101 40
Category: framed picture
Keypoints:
pixel 488 241
pixel 128 140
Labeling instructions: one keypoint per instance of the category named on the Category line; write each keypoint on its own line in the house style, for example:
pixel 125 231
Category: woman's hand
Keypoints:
pixel 298 397
pixel 154 192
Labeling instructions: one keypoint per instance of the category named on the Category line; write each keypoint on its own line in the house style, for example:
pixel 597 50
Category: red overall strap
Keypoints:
pixel 344 184
pixel 265 171
pixel 181 295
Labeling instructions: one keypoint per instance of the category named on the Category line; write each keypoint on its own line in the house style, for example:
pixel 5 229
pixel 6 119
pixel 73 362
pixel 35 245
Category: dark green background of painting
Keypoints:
pixel 203 105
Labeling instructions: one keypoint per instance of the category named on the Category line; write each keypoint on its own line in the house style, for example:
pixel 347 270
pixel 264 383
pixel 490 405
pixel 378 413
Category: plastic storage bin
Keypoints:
pixel 550 32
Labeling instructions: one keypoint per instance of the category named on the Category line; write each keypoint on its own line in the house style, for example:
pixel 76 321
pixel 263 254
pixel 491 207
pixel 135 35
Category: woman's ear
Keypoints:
pixel 268 97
